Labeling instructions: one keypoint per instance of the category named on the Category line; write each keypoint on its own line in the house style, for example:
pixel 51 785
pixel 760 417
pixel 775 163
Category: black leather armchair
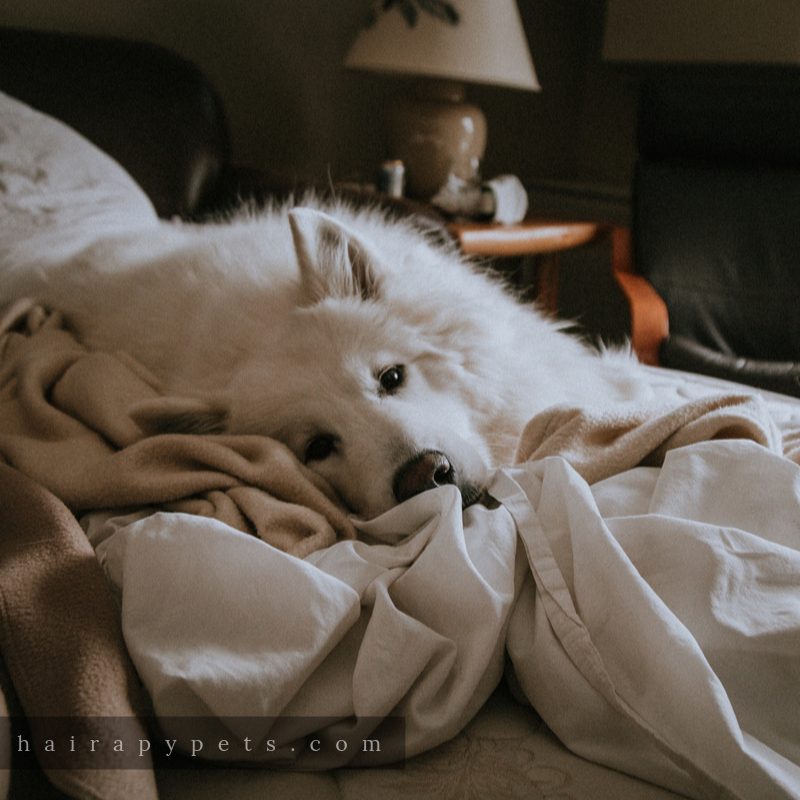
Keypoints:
pixel 716 226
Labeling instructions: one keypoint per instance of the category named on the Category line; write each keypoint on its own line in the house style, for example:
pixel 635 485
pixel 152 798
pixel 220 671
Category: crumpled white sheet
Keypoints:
pixel 220 624
pixel 659 629
pixel 653 620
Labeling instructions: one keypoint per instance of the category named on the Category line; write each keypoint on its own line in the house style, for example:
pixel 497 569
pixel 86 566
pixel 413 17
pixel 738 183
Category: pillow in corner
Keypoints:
pixel 58 192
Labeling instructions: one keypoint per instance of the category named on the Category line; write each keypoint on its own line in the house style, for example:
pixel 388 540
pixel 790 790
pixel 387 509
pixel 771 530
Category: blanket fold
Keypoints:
pixel 65 421
pixel 57 609
pixel 598 445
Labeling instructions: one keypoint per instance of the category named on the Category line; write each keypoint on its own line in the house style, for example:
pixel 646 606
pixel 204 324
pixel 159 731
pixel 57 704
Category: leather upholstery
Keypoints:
pixel 722 248
pixel 150 109
pixel 717 221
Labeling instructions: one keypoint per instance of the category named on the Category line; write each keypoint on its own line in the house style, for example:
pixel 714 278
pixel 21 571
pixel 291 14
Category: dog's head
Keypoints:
pixel 375 383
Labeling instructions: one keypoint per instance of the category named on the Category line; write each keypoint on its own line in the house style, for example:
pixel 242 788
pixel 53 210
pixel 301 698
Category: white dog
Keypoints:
pixel 387 362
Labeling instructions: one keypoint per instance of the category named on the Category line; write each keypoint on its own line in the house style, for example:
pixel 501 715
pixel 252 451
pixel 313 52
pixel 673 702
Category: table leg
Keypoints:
pixel 545 281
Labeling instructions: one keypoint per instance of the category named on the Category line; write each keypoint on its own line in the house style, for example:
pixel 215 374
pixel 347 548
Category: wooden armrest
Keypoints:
pixel 649 317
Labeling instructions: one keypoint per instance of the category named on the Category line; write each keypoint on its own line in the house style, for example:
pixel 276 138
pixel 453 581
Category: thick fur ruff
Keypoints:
pixel 387 362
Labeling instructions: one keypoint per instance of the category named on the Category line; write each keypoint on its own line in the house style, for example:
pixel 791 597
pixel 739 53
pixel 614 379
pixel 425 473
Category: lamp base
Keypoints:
pixel 436 134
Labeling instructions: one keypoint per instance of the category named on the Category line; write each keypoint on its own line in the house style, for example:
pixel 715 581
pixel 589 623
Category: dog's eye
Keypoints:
pixel 392 378
pixel 320 447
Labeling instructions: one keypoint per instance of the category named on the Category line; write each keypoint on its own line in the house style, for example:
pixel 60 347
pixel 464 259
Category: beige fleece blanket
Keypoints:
pixel 65 422
pixel 599 445
pixel 56 608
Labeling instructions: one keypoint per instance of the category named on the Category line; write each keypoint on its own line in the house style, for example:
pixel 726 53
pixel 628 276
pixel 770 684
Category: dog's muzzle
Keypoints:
pixel 429 470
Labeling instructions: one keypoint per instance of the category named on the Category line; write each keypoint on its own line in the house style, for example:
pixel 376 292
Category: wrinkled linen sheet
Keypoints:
pixel 652 618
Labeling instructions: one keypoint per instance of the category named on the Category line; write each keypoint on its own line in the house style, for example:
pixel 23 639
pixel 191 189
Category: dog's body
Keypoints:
pixel 387 363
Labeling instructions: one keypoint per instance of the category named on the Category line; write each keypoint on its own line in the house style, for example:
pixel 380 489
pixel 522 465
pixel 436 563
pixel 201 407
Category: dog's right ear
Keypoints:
pixel 178 415
pixel 333 260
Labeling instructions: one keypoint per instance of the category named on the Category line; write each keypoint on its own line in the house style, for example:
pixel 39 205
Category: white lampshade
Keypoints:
pixel 487 45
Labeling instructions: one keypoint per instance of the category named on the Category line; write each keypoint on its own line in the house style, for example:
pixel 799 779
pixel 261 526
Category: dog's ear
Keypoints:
pixel 178 415
pixel 333 261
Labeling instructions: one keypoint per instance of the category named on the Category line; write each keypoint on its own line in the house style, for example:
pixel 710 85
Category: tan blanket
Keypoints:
pixel 65 422
pixel 60 633
pixel 601 444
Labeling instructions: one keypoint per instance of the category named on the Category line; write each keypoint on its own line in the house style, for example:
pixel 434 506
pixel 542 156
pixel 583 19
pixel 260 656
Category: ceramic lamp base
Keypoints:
pixel 436 134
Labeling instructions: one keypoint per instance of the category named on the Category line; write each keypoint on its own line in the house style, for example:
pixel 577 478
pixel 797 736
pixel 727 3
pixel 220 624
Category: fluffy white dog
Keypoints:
pixel 388 363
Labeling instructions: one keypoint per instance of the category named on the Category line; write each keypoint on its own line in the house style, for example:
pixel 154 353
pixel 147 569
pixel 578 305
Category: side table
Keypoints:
pixel 541 240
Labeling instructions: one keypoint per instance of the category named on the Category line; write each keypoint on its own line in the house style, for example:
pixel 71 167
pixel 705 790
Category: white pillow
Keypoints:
pixel 58 192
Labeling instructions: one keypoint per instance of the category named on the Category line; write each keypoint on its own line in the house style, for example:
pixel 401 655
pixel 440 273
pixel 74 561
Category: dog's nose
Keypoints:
pixel 422 472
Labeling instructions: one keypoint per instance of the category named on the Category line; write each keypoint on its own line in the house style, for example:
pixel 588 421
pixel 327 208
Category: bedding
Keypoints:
pixel 67 422
pixel 59 192
pixel 635 580
pixel 614 609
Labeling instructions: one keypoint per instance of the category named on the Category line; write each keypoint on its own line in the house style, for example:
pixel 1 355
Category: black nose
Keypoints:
pixel 422 472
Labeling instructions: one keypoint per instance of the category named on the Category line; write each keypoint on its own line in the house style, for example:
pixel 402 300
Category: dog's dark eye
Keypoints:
pixel 392 378
pixel 320 447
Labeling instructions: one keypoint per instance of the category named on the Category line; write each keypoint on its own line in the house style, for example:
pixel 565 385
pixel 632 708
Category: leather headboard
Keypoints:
pixel 151 110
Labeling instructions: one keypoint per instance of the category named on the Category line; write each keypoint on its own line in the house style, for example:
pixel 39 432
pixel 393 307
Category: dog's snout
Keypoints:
pixel 422 472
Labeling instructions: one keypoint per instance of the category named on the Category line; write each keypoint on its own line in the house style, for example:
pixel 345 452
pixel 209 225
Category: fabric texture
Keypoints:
pixel 601 444
pixel 65 422
pixel 658 631
pixel 59 192
pixel 56 608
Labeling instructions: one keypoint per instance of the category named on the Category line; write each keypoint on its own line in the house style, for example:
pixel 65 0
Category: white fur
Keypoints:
pixel 281 322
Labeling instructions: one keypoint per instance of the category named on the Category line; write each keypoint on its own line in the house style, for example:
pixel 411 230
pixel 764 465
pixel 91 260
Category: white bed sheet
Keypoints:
pixel 653 619
pixel 659 631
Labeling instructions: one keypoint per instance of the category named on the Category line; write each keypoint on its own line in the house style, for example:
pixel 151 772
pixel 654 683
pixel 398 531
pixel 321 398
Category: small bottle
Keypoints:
pixel 392 178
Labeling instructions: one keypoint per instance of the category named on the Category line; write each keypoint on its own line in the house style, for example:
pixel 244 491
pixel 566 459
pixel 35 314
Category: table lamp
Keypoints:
pixel 443 45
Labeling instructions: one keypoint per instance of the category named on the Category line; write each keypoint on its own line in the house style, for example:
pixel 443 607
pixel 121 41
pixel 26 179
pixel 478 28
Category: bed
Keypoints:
pixel 623 620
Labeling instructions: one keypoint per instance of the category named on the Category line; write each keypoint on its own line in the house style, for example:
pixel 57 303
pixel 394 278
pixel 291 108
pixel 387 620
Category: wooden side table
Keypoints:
pixel 542 240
